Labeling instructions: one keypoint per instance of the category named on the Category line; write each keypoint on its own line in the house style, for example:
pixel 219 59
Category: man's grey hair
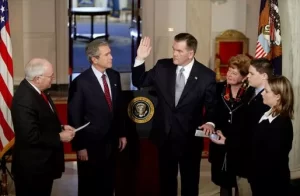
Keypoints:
pixel 34 68
pixel 92 49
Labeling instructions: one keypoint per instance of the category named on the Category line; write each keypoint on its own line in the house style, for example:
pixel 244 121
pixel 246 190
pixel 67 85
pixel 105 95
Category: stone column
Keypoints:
pixel 198 23
pixel 290 32
pixel 16 32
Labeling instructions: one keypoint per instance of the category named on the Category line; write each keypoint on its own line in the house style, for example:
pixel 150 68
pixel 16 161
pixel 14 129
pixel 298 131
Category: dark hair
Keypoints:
pixel 92 49
pixel 191 41
pixel 263 65
pixel 280 85
pixel 240 62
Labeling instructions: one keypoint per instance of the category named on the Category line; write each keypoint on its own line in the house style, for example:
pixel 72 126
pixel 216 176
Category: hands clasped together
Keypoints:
pixel 67 134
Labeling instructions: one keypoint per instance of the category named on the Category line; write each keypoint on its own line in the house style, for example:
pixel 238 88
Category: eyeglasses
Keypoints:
pixel 52 76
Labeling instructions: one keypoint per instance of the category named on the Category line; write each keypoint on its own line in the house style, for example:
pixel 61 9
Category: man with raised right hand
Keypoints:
pixel 184 88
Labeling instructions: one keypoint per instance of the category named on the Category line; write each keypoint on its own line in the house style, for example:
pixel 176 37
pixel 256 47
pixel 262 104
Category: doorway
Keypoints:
pixel 123 27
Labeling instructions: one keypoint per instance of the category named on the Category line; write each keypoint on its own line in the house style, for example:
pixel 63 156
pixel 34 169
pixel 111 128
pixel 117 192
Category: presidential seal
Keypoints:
pixel 140 110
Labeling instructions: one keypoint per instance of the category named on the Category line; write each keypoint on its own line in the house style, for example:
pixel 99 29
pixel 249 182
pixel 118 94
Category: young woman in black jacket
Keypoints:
pixel 272 141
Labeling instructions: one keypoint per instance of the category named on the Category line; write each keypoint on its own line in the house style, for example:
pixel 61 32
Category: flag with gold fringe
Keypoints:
pixel 269 34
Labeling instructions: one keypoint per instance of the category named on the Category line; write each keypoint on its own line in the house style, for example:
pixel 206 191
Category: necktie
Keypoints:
pixel 46 100
pixel 45 97
pixel 106 92
pixel 180 83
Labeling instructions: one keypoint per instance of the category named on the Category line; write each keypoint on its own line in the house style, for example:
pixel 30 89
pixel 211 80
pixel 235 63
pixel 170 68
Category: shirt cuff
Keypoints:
pixel 138 62
pixel 211 124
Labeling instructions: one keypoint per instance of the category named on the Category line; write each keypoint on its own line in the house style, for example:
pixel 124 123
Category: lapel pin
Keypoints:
pixel 196 78
pixel 115 84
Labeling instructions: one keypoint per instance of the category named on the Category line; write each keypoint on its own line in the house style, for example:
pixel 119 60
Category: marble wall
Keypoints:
pixel 39 29
pixel 198 23
pixel 290 31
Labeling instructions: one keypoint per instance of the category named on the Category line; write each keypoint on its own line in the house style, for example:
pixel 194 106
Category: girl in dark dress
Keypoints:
pixel 230 117
pixel 272 141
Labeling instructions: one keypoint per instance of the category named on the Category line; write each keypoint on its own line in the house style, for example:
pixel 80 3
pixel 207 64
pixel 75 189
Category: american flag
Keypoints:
pixel 269 34
pixel 6 80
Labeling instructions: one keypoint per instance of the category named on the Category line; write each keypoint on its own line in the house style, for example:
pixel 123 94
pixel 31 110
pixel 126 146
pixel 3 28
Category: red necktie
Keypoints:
pixel 106 92
pixel 45 97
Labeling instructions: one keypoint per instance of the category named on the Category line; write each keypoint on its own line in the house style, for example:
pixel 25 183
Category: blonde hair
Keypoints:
pixel 280 85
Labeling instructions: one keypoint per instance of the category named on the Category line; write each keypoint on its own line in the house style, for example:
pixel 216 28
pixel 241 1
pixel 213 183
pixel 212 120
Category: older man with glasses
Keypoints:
pixel 38 156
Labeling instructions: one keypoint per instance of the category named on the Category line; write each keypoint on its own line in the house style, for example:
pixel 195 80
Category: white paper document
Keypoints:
pixel 83 126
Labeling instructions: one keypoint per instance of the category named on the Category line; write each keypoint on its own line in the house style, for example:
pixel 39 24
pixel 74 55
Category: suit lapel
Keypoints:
pixel 51 102
pixel 191 81
pixel 171 73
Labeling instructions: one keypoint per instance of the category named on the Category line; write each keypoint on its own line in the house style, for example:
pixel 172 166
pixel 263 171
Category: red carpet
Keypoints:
pixel 61 107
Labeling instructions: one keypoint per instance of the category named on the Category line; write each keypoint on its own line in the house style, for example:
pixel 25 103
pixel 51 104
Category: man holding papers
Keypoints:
pixel 38 154
pixel 95 97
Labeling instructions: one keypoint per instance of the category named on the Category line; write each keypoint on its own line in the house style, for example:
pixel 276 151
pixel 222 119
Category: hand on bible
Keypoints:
pixel 144 49
pixel 207 128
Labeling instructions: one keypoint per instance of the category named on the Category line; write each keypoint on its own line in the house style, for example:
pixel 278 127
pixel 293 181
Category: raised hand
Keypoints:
pixel 144 49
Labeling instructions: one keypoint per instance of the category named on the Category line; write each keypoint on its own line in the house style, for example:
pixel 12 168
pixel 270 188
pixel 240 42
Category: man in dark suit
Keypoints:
pixel 184 88
pixel 95 97
pixel 260 71
pixel 38 156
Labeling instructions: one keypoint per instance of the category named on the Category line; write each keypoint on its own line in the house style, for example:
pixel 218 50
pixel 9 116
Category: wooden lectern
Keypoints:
pixel 137 166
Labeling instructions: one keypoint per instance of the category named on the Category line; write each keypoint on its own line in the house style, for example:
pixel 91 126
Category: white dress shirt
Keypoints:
pixel 257 90
pixel 267 116
pixel 98 75
pixel 187 70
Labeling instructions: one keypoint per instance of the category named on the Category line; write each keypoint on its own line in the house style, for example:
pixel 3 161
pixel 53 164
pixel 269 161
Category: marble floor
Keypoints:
pixel 67 185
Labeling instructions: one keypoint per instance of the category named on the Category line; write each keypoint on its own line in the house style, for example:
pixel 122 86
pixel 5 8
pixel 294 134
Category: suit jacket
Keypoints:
pixel 87 103
pixel 254 111
pixel 38 149
pixel 270 149
pixel 199 92
pixel 231 121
